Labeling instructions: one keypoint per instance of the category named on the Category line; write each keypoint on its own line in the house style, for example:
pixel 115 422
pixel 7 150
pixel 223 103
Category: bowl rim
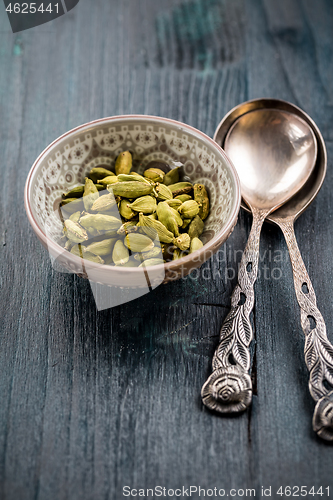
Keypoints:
pixel 168 266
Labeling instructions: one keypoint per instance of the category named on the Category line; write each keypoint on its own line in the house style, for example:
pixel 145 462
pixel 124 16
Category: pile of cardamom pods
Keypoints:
pixel 140 221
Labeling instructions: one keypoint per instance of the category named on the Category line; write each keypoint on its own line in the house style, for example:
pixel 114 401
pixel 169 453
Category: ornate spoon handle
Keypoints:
pixel 229 387
pixel 318 350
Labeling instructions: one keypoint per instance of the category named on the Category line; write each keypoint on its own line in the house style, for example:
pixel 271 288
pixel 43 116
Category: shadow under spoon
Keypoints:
pixel 274 152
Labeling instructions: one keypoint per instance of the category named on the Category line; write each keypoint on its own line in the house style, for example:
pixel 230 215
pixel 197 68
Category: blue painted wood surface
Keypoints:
pixel 93 401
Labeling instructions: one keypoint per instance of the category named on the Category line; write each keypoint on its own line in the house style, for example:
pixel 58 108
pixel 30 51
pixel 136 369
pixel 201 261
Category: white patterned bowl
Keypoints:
pixel 66 161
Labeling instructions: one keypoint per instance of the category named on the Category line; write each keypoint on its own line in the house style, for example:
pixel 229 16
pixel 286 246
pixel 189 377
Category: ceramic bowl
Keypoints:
pixel 65 163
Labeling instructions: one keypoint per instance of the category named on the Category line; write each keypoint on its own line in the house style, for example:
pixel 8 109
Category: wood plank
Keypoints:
pixel 92 401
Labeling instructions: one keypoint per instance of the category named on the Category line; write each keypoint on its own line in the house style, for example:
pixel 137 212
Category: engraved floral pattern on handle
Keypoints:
pixel 318 350
pixel 229 387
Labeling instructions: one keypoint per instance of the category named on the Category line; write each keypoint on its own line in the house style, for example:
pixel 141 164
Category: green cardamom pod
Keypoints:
pixel 153 216
pixel 75 216
pixel 163 193
pixel 155 229
pixel 90 194
pixel 109 234
pixel 196 244
pixel 177 216
pixel 183 241
pixel 172 177
pixel 189 209
pixel 124 163
pixel 125 210
pixel 75 232
pixel 134 177
pixel 107 180
pixel 154 174
pixel 181 188
pixel 71 205
pixel 155 252
pixel 184 197
pixel 68 201
pixel 68 245
pixel 196 227
pixel 186 222
pixel 93 258
pixel 145 204
pixel 128 227
pixel 75 192
pixel 130 189
pixel 120 254
pixel 130 263
pixel 98 173
pixel 202 198
pixel 92 231
pixel 100 187
pixel 103 203
pixel 167 217
pixel 101 248
pixel 174 203
pixel 101 222
pixel 77 250
pixel 137 242
pixel 151 262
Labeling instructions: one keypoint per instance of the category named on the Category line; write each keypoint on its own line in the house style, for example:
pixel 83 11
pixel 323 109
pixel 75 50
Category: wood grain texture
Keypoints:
pixel 92 401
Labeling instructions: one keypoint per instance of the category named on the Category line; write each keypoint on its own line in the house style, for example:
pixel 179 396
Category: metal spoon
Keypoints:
pixel 274 153
pixel 318 351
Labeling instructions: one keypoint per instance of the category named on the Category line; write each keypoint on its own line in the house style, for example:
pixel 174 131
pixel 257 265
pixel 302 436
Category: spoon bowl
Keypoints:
pixel 296 205
pixel 274 152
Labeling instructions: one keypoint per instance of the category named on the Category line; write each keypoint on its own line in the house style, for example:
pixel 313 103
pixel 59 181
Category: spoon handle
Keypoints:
pixel 318 350
pixel 229 387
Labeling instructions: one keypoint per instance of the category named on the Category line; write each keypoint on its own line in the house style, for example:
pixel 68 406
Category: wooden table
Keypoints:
pixel 95 401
